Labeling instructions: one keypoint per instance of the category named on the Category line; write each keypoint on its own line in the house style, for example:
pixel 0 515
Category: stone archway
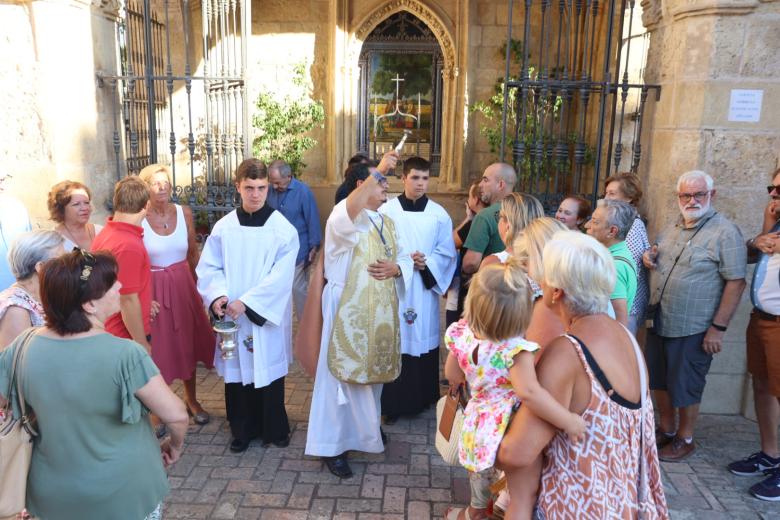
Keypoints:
pixel 348 46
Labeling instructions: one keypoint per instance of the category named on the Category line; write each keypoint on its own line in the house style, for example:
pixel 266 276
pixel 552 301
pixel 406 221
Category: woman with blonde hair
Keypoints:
pixel 517 211
pixel 597 371
pixel 528 247
pixel 70 206
pixel 181 334
pixel 489 352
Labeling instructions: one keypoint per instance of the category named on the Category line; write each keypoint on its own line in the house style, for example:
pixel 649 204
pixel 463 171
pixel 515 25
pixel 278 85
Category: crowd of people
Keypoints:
pixel 544 321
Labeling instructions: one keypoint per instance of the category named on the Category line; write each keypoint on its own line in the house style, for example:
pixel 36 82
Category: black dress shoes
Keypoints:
pixel 239 445
pixel 339 466
pixel 384 436
pixel 281 443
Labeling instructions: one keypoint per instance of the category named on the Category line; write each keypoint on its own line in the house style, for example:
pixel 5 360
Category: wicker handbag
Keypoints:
pixel 16 436
pixel 449 423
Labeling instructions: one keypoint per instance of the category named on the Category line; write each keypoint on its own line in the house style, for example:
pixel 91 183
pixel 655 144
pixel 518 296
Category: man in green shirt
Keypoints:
pixel 610 224
pixel 497 182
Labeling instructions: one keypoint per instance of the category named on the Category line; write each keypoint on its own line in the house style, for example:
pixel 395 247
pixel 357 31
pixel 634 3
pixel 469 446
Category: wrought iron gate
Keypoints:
pixel 571 105
pixel 180 96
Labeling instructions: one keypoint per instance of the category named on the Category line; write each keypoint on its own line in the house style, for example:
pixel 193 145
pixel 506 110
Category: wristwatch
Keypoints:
pixel 721 328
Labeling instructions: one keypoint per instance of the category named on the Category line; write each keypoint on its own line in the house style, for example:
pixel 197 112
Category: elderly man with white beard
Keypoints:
pixel 697 268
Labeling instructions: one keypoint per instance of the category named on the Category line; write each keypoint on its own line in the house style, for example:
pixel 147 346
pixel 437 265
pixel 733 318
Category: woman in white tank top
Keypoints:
pixel 181 333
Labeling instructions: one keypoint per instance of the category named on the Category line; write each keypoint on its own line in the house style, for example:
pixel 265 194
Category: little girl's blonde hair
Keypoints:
pixel 498 305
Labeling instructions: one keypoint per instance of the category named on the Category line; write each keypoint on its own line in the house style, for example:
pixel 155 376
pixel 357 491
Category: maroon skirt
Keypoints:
pixel 181 332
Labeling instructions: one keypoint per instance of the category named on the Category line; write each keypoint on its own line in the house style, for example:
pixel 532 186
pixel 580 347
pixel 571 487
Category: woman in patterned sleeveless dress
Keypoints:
pixel 20 306
pixel 596 370
pixel 181 333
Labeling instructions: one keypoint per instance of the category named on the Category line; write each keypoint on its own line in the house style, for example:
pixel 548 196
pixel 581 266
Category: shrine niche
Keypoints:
pixel 400 90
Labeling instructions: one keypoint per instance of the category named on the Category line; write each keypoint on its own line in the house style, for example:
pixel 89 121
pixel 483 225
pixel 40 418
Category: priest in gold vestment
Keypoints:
pixel 360 344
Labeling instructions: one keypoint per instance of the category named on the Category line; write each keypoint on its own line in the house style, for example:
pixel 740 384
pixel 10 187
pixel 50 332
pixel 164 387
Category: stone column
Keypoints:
pixel 700 52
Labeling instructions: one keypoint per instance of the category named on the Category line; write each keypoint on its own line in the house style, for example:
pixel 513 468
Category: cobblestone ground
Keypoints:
pixel 409 480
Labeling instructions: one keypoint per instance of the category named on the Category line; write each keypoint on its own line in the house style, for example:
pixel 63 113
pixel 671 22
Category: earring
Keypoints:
pixel 553 300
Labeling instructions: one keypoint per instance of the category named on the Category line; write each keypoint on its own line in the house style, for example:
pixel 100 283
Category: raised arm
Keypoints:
pixel 540 401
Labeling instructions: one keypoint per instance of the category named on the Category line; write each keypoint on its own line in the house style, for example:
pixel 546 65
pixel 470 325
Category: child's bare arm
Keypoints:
pixel 452 371
pixel 531 394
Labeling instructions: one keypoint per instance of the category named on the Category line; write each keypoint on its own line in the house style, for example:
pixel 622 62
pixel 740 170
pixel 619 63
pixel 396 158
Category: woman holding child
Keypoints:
pixel 488 351
pixel 595 371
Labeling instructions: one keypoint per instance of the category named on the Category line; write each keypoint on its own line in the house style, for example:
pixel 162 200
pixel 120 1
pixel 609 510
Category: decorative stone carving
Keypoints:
pixel 422 12
pixel 110 8
pixel 652 13
pixel 685 8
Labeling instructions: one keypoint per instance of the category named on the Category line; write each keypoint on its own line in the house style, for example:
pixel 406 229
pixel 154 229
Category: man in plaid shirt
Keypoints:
pixel 697 268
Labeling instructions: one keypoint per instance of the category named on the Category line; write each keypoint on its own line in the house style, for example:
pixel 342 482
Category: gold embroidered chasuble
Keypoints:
pixel 365 345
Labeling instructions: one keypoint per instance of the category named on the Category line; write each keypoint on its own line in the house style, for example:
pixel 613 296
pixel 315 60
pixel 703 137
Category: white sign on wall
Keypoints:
pixel 745 105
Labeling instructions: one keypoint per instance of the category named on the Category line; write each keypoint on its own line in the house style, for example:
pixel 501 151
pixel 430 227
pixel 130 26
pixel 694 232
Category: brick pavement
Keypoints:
pixel 409 480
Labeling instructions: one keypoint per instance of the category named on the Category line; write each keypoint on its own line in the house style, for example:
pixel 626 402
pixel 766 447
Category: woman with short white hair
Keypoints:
pixel 595 370
pixel 20 306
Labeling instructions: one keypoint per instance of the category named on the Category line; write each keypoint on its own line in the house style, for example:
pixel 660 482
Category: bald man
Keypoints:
pixel 497 182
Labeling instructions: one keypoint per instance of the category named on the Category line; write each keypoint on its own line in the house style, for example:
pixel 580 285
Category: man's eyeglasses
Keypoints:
pixel 770 188
pixel 699 195
pixel 87 264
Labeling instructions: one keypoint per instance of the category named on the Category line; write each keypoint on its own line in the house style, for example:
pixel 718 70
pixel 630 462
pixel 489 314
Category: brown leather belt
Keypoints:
pixel 766 316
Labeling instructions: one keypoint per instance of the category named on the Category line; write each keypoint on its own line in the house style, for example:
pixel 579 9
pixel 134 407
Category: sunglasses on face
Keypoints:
pixel 771 188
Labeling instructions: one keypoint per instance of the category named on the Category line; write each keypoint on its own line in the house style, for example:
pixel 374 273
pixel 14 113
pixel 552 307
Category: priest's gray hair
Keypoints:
pixel 282 167
pixel 33 247
pixel 619 214
pixel 582 268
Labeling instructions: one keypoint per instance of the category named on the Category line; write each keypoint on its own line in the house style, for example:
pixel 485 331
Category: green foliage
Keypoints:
pixel 415 69
pixel 281 124
pixel 542 119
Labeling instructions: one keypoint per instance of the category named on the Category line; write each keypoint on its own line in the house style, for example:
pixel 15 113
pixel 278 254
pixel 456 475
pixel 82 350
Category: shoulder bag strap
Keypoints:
pixel 21 350
pixel 668 276
pixel 641 491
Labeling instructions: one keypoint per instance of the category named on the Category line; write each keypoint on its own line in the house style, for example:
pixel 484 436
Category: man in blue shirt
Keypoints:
pixel 296 202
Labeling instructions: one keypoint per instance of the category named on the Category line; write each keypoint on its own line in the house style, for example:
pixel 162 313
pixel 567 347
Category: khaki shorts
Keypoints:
pixel 763 351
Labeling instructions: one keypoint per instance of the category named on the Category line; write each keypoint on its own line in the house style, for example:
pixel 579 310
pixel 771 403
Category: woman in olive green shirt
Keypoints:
pixel 96 456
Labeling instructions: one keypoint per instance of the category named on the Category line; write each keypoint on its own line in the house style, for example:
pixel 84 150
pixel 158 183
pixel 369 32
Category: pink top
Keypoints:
pixel 15 296
pixel 600 477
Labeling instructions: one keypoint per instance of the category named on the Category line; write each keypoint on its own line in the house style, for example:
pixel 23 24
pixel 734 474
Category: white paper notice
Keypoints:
pixel 745 105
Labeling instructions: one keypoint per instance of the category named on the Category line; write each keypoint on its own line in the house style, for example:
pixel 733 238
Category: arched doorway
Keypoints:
pixel 401 90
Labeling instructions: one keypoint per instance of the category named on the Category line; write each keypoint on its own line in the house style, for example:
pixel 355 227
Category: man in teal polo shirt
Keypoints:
pixel 610 224
pixel 497 182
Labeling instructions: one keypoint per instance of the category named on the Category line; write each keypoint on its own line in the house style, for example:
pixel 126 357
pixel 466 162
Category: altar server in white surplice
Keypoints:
pixel 246 271
pixel 425 231
pixel 346 416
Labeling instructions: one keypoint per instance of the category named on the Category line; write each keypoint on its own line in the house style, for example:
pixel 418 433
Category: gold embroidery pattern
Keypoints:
pixel 365 346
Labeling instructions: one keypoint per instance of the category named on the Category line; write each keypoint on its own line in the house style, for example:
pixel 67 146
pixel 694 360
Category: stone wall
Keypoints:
pixel 699 52
pixel 53 118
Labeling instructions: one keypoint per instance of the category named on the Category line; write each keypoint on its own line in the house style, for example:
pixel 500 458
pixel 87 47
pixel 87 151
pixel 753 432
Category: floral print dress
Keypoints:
pixel 493 400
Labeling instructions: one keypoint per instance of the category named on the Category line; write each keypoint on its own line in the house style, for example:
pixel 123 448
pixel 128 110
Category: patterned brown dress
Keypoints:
pixel 614 473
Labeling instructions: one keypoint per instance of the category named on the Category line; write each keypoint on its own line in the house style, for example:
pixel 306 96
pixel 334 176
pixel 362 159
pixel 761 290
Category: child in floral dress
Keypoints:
pixel 488 351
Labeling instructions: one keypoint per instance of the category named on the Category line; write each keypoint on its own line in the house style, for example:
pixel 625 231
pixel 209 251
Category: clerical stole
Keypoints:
pixel 365 345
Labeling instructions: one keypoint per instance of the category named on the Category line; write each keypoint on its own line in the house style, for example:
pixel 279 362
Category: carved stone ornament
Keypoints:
pixel 108 7
pixel 422 12
pixel 684 8
pixel 652 13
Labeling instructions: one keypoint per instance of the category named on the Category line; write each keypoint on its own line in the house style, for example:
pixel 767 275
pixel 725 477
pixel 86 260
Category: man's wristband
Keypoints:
pixel 721 328
pixel 378 176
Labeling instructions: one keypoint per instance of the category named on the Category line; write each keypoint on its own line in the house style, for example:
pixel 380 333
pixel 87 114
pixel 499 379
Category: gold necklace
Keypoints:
pixel 73 237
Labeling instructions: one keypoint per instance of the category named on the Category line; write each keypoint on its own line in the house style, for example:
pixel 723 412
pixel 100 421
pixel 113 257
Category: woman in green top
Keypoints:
pixel 96 456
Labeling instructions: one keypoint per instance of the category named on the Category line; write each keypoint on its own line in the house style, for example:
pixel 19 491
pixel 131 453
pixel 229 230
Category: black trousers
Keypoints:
pixel 257 412
pixel 416 388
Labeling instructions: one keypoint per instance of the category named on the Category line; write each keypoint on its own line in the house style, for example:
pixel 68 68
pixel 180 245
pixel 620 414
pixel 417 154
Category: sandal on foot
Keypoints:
pixel 453 513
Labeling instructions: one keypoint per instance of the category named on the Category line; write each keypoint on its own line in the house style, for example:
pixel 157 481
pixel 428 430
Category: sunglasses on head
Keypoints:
pixel 87 264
